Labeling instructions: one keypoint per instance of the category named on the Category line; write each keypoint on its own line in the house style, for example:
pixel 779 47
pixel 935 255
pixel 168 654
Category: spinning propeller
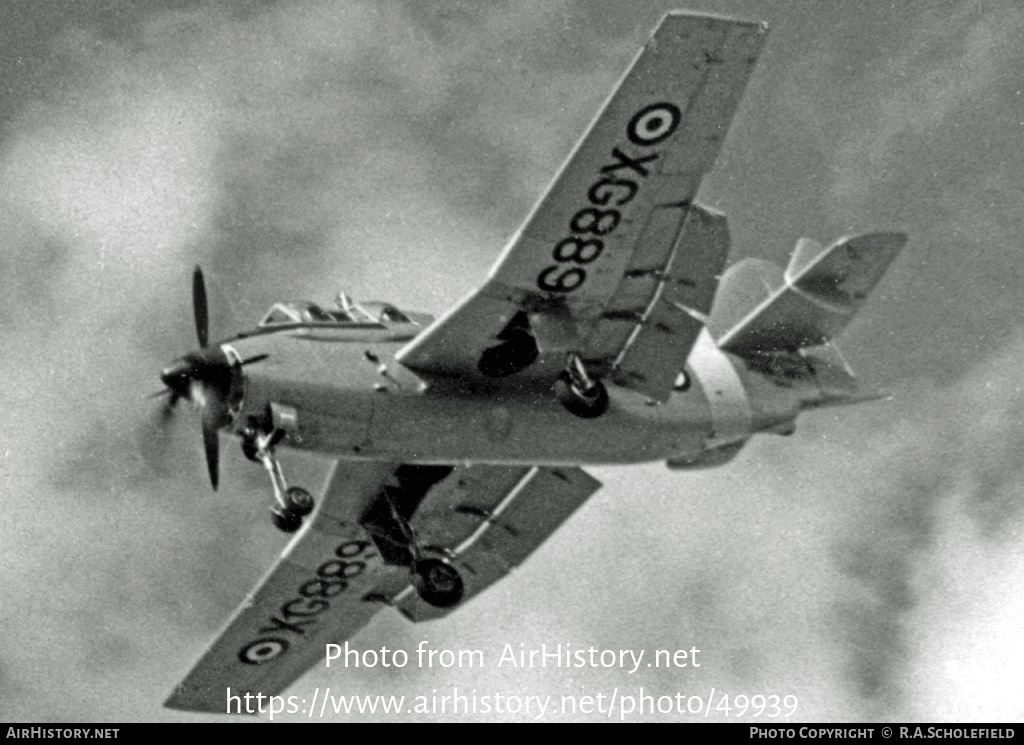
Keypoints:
pixel 205 378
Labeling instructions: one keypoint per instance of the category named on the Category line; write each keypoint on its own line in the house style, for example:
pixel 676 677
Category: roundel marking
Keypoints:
pixel 262 650
pixel 653 123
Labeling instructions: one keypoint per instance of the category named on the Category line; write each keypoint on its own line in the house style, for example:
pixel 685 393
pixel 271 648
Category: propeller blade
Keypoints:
pixel 200 308
pixel 254 358
pixel 206 378
pixel 167 410
pixel 155 436
pixel 171 396
pixel 211 444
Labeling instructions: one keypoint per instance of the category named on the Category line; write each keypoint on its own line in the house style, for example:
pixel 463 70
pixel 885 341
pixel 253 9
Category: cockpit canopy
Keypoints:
pixel 346 313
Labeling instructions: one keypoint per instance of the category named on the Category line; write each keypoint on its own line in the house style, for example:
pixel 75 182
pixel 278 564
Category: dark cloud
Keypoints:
pixel 882 564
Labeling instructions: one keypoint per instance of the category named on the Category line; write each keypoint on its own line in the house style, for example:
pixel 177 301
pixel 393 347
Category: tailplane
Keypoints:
pixel 760 309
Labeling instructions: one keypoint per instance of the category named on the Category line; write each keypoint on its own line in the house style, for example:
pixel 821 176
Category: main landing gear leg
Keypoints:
pixel 436 581
pixel 293 503
pixel 579 393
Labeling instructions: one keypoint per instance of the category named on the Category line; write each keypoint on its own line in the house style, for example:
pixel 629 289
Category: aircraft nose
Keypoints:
pixel 210 367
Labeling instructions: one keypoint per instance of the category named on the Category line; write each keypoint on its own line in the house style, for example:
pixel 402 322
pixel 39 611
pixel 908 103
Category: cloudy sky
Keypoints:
pixel 870 565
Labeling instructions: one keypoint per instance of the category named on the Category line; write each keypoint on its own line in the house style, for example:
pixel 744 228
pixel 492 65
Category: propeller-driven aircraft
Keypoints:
pixel 606 333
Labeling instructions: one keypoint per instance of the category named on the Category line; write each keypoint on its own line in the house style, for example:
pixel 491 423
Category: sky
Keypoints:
pixel 870 565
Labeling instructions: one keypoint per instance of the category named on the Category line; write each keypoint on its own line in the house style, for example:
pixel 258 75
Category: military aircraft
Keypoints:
pixel 606 333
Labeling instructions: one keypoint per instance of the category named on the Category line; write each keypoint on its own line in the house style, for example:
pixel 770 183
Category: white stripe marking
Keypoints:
pixel 731 416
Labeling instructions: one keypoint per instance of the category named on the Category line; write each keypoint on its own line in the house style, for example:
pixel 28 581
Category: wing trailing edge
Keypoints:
pixel 616 238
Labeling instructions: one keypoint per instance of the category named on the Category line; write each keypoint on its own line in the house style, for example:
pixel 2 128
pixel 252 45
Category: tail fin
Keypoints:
pixel 808 304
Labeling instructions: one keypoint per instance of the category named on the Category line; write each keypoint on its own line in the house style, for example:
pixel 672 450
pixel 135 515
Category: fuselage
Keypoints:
pixel 336 389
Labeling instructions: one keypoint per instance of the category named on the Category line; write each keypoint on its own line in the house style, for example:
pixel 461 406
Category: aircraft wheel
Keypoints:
pixel 585 405
pixel 299 501
pixel 438 583
pixel 285 520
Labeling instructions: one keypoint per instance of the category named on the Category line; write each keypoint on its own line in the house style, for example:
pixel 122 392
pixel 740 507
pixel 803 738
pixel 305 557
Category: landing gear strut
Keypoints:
pixel 436 581
pixel 293 503
pixel 579 393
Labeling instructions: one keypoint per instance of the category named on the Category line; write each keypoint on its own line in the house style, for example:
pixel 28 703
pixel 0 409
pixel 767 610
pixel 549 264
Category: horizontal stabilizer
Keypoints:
pixel 808 304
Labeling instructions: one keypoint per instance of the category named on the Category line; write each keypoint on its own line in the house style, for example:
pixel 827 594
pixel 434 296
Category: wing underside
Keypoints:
pixel 339 571
pixel 486 520
pixel 312 596
pixel 615 263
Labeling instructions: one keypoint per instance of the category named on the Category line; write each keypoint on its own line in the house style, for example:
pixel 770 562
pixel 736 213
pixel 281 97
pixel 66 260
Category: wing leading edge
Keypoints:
pixel 615 260
pixel 312 596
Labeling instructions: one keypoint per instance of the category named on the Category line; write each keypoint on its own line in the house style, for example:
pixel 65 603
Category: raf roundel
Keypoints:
pixel 262 650
pixel 653 124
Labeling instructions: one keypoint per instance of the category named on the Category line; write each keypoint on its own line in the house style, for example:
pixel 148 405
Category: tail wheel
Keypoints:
pixel 438 583
pixel 587 404
pixel 285 520
pixel 299 501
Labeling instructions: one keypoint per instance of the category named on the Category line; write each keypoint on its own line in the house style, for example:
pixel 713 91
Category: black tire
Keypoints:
pixel 299 501
pixel 584 406
pixel 438 583
pixel 285 520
